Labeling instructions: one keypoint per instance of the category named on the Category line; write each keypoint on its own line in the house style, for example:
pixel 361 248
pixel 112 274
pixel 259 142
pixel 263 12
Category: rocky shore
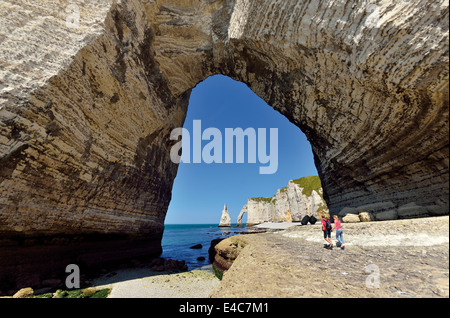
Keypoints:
pixel 401 258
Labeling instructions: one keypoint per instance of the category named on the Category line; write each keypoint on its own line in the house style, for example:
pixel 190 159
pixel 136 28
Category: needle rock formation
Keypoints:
pixel 225 219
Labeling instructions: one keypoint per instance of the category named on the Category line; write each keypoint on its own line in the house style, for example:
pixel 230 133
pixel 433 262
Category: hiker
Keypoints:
pixel 326 228
pixel 339 237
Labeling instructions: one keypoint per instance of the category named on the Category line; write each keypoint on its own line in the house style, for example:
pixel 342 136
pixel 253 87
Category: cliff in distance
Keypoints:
pixel 292 203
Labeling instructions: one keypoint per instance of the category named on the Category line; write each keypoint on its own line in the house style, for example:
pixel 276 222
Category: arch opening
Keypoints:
pixel 201 189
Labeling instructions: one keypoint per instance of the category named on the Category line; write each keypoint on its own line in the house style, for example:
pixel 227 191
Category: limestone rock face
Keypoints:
pixel 90 91
pixel 225 219
pixel 382 211
pixel 289 204
pixel 258 211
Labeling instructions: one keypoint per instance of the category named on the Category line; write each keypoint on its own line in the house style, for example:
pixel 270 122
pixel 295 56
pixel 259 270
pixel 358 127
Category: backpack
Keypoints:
pixel 328 225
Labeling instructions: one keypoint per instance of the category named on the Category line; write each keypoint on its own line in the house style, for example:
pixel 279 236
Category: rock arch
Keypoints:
pixel 241 215
pixel 86 112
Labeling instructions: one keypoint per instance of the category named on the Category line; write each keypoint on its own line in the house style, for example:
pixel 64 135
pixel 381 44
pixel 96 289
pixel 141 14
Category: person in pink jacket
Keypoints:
pixel 338 227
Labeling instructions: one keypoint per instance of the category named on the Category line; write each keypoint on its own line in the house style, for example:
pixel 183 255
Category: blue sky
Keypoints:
pixel 200 190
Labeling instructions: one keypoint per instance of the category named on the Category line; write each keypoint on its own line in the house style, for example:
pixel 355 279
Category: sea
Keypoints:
pixel 179 238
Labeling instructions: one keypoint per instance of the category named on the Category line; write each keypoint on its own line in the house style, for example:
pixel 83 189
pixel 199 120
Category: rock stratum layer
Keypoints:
pixel 301 197
pixel 90 91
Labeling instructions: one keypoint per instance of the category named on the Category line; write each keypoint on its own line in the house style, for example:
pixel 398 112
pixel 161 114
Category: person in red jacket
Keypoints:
pixel 326 228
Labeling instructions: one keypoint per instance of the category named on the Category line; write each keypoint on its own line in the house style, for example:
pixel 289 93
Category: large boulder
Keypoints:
pixel 226 252
pixel 305 220
pixel 24 293
pixel 366 216
pixel 212 248
pixel 351 218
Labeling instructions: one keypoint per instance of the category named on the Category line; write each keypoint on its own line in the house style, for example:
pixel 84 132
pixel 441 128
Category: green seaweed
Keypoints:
pixel 101 293
pixel 217 272
pixel 76 293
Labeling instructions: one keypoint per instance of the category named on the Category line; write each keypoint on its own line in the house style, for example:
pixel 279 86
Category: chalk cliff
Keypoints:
pixel 292 203
pixel 90 92
pixel 225 219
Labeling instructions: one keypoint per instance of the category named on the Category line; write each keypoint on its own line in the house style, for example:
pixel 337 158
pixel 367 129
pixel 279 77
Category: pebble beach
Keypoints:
pixel 411 255
pixel 145 283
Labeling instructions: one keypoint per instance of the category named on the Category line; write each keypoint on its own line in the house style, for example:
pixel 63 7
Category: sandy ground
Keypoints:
pixel 411 255
pixel 412 232
pixel 276 226
pixel 401 258
pixel 144 283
